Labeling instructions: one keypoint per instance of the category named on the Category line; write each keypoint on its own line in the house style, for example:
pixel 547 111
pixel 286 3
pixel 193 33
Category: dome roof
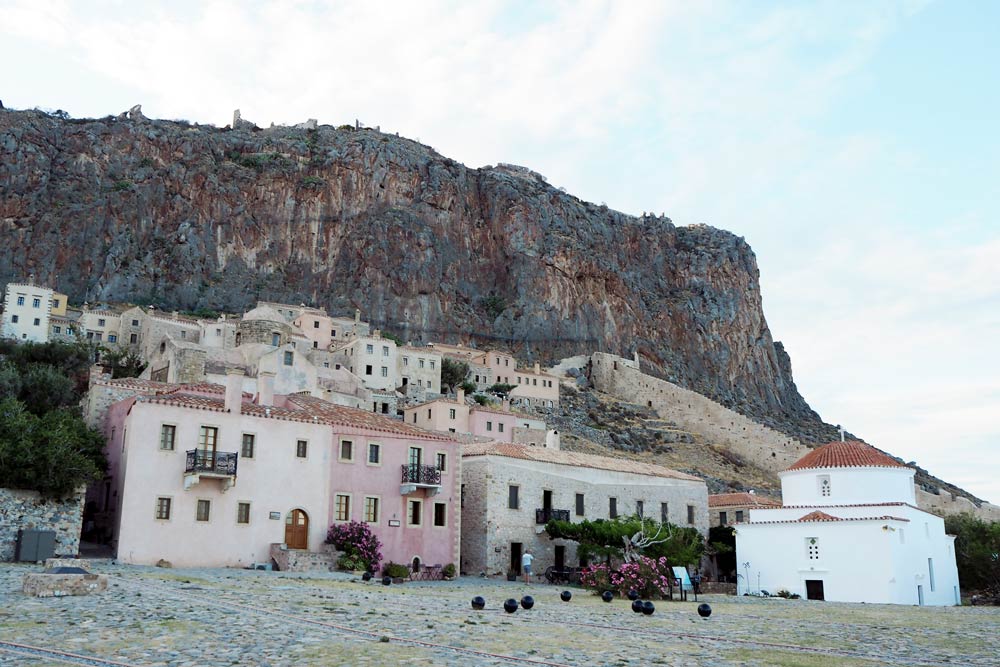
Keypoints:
pixel 850 454
pixel 265 313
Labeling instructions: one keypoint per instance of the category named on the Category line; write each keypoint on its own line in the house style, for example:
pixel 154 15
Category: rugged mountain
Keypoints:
pixel 185 216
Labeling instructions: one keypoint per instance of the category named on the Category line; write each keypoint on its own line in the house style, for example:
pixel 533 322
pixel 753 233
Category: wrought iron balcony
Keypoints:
pixel 546 515
pixel 420 474
pixel 203 462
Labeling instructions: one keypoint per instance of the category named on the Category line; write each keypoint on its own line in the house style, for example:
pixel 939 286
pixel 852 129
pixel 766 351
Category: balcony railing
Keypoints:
pixel 217 463
pixel 546 515
pixel 420 474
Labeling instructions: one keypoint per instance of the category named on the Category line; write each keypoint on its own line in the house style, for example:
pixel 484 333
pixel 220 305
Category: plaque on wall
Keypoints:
pixel 394 523
pixel 275 516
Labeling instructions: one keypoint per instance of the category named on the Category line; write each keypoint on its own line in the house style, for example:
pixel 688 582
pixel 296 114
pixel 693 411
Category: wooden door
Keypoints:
pixel 297 530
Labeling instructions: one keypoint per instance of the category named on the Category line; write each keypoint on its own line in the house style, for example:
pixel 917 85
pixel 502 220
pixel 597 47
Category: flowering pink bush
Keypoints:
pixel 357 542
pixel 650 577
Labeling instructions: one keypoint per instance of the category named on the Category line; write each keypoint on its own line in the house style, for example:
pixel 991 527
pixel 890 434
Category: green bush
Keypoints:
pixel 468 386
pixel 395 570
pixel 316 182
pixel 977 552
pixel 481 400
pixel 122 186
pixel 453 372
pixel 448 570
pixel 493 305
pixel 346 562
pixel 501 389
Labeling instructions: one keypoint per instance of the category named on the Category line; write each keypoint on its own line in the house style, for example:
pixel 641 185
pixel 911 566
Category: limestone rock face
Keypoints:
pixel 198 217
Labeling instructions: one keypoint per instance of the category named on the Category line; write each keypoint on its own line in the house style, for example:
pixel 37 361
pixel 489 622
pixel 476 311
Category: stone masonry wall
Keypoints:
pixel 27 510
pixel 755 442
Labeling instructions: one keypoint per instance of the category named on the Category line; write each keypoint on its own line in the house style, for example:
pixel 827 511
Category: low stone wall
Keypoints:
pixel 59 585
pixel 53 563
pixel 294 560
pixel 717 588
pixel 27 510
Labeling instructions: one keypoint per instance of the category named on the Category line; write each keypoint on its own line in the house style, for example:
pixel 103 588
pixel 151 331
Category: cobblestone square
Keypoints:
pixel 200 617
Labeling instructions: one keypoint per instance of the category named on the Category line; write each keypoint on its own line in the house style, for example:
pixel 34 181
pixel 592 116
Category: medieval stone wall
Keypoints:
pixel 29 511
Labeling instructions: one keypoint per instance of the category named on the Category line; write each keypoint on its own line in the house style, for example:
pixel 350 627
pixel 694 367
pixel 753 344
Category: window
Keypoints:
pixel 739 516
pixel 500 426
pixel 406 361
pixel 414 510
pixel 370 349
pixel 36 303
pixel 930 572
pixel 243 513
pixel 346 450
pixel 246 450
pixel 135 323
pixel 55 303
pixel 342 507
pixel 451 413
pixel 316 324
pixel 691 514
pixel 98 335
pixel 20 300
pixel 374 453
pixel 301 448
pixel 371 509
pixel 275 339
pixel 462 496
pixel 56 329
pixel 440 517
pixel 14 318
pixel 208 436
pixel 385 350
pixel 316 346
pixel 218 332
pixel 112 338
pixel 100 320
pixel 824 485
pixel 168 433
pixel 512 499
pixel 184 334
pixel 420 362
pixel 163 509
pixel 579 504
pixel 639 505
pixel 37 322
pixel 442 461
pixel 368 369
pixel 333 333
pixel 432 363
pixel 613 508
pixel 385 371
pixel 722 518
pixel 203 510
pixel 812 548
pixel 489 426
pixel 289 357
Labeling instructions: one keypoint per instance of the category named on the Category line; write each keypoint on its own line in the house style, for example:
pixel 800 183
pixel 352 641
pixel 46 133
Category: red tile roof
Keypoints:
pixel 850 454
pixel 743 499
pixel 544 455
pixel 339 414
pixel 824 517
pixel 138 384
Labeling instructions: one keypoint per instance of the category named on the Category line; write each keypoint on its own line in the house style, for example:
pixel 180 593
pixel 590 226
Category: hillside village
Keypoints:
pixel 266 428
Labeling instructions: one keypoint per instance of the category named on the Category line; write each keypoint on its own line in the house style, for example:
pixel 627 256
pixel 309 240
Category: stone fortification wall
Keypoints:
pixel 756 443
pixel 947 503
pixel 27 510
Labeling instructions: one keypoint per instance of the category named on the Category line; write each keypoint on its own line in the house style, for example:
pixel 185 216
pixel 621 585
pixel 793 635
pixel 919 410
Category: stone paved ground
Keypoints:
pixel 193 618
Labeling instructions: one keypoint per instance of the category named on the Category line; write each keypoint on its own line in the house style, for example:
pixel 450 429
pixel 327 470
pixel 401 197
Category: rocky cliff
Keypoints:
pixel 130 209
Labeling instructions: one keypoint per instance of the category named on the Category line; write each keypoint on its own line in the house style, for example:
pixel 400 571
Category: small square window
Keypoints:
pixel 56 330
pixel 370 349
pixel 14 318
pixel 168 432
pixel 243 513
pixel 37 322
pixel 440 514
pixel 100 321
pixel 246 450
pixel 203 511
pixel 374 453
pixel 36 303
pixel 346 450
pixel 112 338
pixel 20 300
pixel 163 509
pixel 135 323
pixel 301 449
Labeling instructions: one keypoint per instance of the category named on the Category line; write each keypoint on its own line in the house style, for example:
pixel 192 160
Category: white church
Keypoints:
pixel 848 530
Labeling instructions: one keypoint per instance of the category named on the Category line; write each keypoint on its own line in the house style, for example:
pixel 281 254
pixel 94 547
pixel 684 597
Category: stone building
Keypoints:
pixel 27 308
pixel 510 492
pixel 729 508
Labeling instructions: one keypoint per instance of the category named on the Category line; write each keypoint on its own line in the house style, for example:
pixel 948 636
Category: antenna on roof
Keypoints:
pixel 841 432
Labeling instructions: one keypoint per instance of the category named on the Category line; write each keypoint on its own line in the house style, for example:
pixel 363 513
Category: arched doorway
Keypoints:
pixel 297 530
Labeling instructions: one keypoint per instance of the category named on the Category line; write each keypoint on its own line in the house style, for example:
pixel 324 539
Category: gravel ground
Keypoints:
pixel 208 617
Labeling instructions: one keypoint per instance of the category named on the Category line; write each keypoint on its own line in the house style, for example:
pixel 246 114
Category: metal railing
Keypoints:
pixel 546 515
pixel 219 463
pixel 414 473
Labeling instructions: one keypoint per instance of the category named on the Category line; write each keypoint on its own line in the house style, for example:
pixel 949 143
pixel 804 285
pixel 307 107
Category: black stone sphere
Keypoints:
pixel 478 602
pixel 386 581
pixel 633 594
pixel 637 606
pixel 607 596
pixel 527 602
pixel 704 610
pixel 648 608
pixel 510 606
pixel 367 576
pixel 566 596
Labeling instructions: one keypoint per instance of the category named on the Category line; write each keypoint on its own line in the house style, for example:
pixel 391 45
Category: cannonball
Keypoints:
pixel 510 606
pixel 527 602
pixel 648 608
pixel 633 594
pixel 637 606
pixel 367 576
pixel 478 602
pixel 704 610
pixel 386 581
pixel 607 596
pixel 566 596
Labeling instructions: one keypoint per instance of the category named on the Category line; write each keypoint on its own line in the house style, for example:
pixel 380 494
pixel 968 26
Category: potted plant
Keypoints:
pixel 448 572
pixel 511 574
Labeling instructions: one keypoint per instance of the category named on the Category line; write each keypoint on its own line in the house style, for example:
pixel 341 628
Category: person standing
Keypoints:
pixel 526 565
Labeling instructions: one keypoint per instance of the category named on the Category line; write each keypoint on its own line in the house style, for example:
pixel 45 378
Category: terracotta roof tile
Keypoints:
pixel 822 516
pixel 339 414
pixel 743 499
pixel 817 515
pixel 850 454
pixel 544 455
pixel 139 384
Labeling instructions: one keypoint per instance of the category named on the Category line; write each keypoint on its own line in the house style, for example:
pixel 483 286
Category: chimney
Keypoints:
pixel 234 390
pixel 460 395
pixel 538 368
pixel 265 388
pixel 357 318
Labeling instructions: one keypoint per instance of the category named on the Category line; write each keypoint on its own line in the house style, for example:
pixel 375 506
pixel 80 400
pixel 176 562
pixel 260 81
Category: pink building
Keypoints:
pixel 205 475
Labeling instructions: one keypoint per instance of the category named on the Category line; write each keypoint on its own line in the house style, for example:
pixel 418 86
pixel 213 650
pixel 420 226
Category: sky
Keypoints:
pixel 854 144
